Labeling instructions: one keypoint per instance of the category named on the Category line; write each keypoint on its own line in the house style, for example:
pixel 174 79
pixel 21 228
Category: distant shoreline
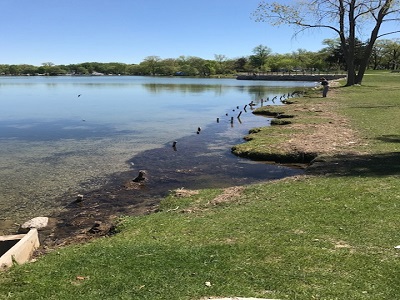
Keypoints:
pixel 271 77
pixel 289 77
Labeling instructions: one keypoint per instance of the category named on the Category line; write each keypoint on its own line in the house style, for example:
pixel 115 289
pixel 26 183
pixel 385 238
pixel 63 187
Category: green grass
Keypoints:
pixel 310 237
pixel 375 110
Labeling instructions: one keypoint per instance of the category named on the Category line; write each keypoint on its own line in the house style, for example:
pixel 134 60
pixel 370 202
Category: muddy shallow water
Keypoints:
pixel 198 161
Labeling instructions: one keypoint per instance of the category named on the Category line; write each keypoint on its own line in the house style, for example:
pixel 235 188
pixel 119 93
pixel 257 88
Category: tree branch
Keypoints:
pixel 388 33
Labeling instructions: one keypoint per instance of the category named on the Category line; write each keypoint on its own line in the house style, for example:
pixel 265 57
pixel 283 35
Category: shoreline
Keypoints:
pixel 122 196
pixel 119 196
pixel 67 151
pixel 101 209
pixel 290 77
pixel 98 214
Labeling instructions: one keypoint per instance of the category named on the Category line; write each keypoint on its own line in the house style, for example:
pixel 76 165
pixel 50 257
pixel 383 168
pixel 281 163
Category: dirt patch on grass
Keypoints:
pixel 316 128
pixel 327 133
pixel 332 135
pixel 228 195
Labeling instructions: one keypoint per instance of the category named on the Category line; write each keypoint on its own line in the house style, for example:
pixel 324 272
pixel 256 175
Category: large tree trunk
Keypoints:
pixel 351 72
pixel 361 72
pixel 364 62
pixel 351 76
pixel 374 35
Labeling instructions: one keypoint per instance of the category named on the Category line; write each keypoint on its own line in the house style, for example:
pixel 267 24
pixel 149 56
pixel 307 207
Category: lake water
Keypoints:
pixel 61 136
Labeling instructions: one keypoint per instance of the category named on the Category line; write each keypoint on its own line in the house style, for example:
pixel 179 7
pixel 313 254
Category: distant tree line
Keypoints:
pixel 385 55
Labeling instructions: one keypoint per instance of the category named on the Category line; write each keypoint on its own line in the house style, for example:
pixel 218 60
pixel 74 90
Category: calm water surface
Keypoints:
pixel 65 135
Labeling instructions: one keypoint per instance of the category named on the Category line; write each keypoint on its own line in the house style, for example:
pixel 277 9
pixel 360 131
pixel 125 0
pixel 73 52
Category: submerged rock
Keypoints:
pixel 140 177
pixel 102 228
pixel 79 198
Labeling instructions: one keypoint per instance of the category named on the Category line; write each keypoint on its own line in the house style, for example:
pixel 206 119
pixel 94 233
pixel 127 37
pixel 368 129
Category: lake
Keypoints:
pixel 63 136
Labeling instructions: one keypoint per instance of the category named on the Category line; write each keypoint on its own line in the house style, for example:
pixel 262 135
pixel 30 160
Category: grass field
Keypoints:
pixel 325 235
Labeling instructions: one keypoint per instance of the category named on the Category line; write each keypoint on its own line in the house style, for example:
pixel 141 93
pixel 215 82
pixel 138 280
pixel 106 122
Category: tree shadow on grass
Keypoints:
pixel 373 165
pixel 390 138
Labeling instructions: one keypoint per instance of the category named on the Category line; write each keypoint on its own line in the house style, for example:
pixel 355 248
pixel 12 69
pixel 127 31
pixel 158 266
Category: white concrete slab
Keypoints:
pixel 22 251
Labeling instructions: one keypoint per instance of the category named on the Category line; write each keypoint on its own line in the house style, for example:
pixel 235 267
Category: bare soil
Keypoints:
pixel 326 138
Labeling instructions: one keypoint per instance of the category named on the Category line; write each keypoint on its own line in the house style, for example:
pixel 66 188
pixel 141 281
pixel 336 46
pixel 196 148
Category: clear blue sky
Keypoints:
pixel 127 31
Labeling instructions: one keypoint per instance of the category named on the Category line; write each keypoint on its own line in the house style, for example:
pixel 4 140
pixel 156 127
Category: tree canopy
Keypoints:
pixel 331 59
pixel 347 18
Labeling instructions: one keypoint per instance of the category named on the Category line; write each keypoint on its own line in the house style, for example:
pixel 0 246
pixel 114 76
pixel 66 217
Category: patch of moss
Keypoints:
pixel 280 122
pixel 255 130
pixel 270 111
pixel 275 155
pixel 284 116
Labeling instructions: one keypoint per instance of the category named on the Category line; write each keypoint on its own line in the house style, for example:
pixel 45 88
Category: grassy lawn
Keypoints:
pixel 325 235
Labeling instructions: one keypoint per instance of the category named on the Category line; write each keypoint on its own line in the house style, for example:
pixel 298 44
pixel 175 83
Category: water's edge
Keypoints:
pixel 165 169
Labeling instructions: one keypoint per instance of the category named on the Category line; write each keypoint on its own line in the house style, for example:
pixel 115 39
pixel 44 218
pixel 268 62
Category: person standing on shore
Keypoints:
pixel 325 85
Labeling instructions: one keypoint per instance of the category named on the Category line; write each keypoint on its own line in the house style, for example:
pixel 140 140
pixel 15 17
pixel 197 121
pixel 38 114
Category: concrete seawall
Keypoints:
pixel 18 248
pixel 291 77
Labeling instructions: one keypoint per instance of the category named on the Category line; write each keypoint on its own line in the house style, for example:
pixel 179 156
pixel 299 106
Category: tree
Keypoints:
pixel 14 69
pixel 344 17
pixel 392 53
pixel 240 64
pixel 377 55
pixel 337 56
pixel 260 56
pixel 168 66
pixel 151 64
pixel 196 66
pixel 281 62
pixel 82 71
pixel 220 59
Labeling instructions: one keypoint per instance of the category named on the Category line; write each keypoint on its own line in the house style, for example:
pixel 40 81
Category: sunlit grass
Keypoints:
pixel 375 109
